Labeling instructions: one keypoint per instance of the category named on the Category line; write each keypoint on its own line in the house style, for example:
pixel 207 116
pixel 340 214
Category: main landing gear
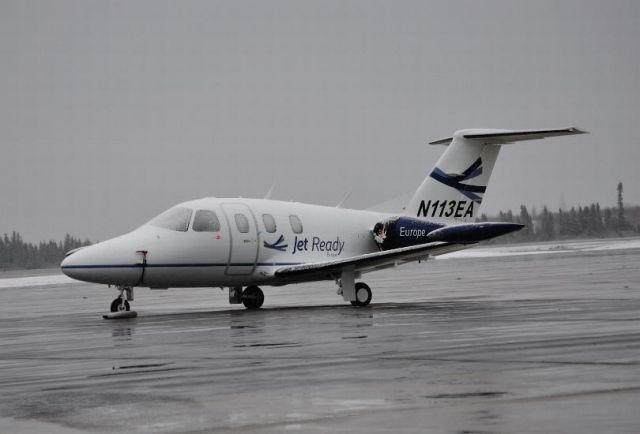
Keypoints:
pixel 363 295
pixel 359 294
pixel 252 297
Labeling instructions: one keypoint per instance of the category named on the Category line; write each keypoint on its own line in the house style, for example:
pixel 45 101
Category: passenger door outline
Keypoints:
pixel 243 247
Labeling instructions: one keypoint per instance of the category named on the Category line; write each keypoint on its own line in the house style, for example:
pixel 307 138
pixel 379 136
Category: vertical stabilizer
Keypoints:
pixel 455 187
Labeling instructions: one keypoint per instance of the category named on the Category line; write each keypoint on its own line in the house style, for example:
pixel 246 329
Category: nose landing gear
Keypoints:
pixel 120 307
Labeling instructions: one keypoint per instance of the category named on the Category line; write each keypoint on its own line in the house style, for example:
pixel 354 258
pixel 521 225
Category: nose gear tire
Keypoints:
pixel 120 305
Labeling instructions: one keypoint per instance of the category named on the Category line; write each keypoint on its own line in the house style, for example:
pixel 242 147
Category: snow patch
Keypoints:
pixel 54 279
pixel 545 248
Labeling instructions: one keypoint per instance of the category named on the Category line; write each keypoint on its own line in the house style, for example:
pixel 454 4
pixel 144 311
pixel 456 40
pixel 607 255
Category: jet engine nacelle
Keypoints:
pixel 403 232
pixel 408 231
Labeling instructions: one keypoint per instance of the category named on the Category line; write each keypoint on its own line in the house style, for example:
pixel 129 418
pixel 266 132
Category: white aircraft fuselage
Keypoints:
pixel 227 257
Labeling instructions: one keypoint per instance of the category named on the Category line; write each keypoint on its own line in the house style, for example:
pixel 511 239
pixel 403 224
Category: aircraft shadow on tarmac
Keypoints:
pixel 302 316
pixel 423 307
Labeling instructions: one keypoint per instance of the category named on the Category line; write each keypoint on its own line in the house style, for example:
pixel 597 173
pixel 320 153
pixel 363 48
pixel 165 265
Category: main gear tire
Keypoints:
pixel 363 295
pixel 252 297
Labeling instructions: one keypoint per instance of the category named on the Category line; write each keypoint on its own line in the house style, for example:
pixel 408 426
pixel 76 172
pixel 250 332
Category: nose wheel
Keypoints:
pixel 120 307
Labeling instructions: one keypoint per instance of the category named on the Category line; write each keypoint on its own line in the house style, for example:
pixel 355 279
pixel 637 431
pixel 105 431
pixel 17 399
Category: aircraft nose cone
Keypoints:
pixel 114 262
pixel 68 266
pixel 75 264
pixel 84 264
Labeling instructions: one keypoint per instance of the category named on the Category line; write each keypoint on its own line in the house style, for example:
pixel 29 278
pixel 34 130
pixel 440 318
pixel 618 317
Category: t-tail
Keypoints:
pixel 454 189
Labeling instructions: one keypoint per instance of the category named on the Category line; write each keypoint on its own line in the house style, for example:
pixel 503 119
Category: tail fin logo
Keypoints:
pixel 456 181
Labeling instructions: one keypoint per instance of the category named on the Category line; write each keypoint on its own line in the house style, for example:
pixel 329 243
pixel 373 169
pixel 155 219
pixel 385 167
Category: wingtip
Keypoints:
pixel 576 130
pixel 446 141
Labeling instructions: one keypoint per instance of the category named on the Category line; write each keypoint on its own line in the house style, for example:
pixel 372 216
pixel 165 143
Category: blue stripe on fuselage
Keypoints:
pixel 240 264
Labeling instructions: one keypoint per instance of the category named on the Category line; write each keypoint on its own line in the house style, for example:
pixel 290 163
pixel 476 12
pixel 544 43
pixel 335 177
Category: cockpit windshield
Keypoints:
pixel 176 219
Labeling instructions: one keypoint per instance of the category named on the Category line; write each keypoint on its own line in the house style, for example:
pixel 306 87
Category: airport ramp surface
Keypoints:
pixel 528 339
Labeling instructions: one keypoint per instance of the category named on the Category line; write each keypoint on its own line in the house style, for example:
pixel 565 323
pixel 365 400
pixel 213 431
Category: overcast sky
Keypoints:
pixel 112 111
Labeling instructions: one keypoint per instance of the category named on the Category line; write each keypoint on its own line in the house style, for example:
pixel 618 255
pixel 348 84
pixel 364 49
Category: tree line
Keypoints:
pixel 589 221
pixel 15 253
pixel 579 222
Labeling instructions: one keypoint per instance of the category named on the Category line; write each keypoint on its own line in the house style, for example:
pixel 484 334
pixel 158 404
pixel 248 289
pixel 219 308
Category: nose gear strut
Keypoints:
pixel 120 307
pixel 121 304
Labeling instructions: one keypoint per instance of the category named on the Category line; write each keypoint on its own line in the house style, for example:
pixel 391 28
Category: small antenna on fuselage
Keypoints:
pixel 270 192
pixel 344 199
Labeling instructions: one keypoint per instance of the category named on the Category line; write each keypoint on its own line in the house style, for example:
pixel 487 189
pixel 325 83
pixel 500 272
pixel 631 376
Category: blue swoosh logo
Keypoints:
pixel 455 181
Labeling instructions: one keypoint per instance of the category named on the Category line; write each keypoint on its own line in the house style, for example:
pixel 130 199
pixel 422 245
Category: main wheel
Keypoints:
pixel 363 295
pixel 252 297
pixel 120 305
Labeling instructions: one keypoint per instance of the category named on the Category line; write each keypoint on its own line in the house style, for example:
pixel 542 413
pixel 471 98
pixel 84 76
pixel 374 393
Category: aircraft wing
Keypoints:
pixel 366 262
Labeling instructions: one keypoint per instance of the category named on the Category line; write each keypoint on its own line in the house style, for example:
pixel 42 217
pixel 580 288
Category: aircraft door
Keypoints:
pixel 243 234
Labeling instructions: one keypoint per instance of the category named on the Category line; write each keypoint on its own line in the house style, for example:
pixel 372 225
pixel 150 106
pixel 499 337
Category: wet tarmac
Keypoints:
pixel 531 343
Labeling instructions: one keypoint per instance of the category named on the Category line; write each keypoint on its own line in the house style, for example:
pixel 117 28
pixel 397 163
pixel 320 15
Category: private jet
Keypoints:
pixel 245 244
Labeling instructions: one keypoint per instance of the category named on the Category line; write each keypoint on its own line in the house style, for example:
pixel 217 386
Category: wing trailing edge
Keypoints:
pixel 366 262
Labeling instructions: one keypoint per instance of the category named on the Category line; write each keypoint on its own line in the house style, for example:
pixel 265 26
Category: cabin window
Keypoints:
pixel 269 223
pixel 175 219
pixel 242 223
pixel 296 224
pixel 206 221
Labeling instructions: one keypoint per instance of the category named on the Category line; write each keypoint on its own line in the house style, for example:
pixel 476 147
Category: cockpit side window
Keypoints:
pixel 269 223
pixel 296 224
pixel 206 221
pixel 175 219
pixel 242 223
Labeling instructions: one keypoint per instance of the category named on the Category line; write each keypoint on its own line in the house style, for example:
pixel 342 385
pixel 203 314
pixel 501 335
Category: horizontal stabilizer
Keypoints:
pixel 472 232
pixel 509 136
